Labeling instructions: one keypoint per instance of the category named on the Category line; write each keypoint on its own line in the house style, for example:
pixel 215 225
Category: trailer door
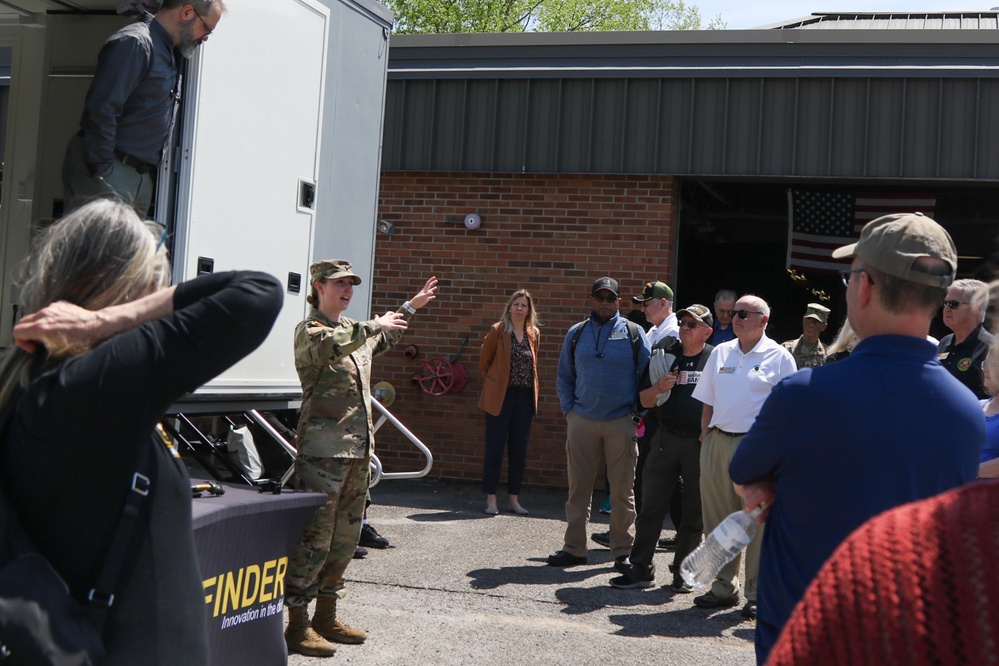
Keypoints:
pixel 248 165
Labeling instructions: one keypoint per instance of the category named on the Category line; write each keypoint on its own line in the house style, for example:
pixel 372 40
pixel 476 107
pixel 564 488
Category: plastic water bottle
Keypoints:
pixel 727 540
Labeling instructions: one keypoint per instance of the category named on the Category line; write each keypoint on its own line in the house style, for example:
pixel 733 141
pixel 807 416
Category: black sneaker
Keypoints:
pixel 632 581
pixel 370 538
pixel 667 544
pixel 564 559
pixel 622 564
pixel 360 552
pixel 603 538
pixel 749 610
pixel 709 600
pixel 680 586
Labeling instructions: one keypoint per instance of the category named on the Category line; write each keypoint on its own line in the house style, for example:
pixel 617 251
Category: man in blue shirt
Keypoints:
pixel 724 307
pixel 130 105
pixel 597 383
pixel 896 426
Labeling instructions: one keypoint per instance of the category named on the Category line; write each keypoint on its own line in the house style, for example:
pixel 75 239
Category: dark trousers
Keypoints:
pixel 509 430
pixel 676 501
pixel 670 456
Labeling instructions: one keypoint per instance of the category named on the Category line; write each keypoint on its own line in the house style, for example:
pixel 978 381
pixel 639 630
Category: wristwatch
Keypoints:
pixel 408 309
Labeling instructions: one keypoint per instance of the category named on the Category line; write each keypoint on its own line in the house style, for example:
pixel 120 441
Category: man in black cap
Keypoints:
pixel 597 384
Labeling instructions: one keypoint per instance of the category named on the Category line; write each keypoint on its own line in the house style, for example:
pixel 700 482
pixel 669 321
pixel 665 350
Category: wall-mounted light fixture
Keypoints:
pixel 386 227
pixel 472 221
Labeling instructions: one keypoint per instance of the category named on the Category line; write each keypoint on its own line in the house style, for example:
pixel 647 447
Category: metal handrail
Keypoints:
pixel 377 472
pixel 387 416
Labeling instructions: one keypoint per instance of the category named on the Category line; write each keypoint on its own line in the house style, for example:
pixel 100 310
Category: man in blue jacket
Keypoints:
pixel 598 370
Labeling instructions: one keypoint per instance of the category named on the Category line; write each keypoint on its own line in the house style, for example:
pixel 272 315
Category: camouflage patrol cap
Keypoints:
pixel 331 269
pixel 817 311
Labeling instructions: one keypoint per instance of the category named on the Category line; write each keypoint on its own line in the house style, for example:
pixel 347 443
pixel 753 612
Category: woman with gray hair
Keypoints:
pixel 106 348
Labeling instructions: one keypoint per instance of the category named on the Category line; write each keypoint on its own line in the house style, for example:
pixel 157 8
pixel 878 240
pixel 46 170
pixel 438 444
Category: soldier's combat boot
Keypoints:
pixel 302 638
pixel 329 627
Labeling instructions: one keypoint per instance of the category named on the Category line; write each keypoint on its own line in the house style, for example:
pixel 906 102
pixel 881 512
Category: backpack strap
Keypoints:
pixel 634 332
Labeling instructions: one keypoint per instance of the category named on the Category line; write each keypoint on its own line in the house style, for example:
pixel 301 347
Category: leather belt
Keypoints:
pixel 729 434
pixel 134 162
pixel 679 431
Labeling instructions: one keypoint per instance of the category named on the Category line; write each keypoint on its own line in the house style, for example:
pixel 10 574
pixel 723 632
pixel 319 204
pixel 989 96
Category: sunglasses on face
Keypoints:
pixel 742 314
pixel 690 324
pixel 605 299
pixel 953 305
pixel 727 313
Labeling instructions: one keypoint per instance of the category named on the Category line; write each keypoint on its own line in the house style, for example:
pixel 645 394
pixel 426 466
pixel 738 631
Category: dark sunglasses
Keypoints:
pixel 605 299
pixel 691 324
pixel 953 305
pixel 727 313
pixel 742 314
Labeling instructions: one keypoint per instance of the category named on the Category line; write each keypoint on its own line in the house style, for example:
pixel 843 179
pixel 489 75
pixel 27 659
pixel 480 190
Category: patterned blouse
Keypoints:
pixel 521 363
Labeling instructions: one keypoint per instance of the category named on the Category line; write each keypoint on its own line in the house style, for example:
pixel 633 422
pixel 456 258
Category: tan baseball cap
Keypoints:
pixel 331 269
pixel 893 243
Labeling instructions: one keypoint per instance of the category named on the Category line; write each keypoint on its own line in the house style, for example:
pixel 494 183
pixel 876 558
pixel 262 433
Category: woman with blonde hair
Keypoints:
pixel 106 347
pixel 508 361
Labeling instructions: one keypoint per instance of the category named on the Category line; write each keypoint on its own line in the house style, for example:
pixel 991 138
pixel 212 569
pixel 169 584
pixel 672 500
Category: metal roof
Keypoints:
pixel 815 104
pixel 964 20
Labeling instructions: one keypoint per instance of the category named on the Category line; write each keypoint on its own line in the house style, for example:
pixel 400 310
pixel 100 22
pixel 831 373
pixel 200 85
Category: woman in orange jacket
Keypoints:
pixel 508 361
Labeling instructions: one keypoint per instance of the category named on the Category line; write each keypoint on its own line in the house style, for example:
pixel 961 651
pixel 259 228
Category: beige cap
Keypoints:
pixel 331 269
pixel 893 243
pixel 817 311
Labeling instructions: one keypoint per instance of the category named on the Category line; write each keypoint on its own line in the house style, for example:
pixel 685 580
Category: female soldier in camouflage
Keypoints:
pixel 335 437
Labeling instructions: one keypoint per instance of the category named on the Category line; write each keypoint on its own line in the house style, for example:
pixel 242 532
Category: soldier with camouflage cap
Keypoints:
pixel 335 438
pixel 808 350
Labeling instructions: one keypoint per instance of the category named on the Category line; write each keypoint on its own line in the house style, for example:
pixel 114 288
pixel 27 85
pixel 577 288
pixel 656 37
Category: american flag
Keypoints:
pixel 821 221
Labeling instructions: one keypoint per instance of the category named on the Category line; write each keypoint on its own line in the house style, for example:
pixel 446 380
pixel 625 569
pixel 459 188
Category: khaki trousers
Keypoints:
pixel 586 440
pixel 718 500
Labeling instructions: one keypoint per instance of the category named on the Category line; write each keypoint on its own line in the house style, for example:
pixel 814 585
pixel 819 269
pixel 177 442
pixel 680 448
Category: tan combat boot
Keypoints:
pixel 326 625
pixel 301 638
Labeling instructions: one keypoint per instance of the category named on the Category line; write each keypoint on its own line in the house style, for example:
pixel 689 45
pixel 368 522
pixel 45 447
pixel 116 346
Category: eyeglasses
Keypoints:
pixel 647 303
pixel 605 299
pixel 953 305
pixel 210 30
pixel 690 324
pixel 727 313
pixel 848 274
pixel 742 314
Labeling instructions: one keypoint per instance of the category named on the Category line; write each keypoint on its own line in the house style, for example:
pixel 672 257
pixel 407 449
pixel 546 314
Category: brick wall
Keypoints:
pixel 550 234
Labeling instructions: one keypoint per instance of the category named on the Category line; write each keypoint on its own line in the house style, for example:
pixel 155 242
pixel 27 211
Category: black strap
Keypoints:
pixel 633 333
pixel 101 596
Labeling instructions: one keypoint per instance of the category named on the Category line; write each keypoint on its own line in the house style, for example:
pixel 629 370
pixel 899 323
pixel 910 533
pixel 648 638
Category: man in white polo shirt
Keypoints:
pixel 733 387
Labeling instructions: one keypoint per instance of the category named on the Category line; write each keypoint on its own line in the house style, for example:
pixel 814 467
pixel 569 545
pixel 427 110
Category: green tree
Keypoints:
pixel 457 16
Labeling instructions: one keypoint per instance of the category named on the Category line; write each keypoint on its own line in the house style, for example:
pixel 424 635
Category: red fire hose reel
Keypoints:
pixel 440 376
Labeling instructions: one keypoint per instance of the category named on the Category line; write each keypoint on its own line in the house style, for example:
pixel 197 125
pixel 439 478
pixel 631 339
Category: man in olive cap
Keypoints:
pixel 808 350
pixel 897 426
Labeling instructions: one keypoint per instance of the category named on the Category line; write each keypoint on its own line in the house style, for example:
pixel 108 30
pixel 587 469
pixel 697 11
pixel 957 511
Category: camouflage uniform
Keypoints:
pixel 335 440
pixel 806 355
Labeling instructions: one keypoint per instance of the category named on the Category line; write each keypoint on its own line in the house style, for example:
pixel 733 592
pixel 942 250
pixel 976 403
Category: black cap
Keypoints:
pixel 610 284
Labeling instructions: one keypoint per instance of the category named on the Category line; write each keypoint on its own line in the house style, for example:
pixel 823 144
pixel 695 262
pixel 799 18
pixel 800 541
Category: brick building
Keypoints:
pixel 654 155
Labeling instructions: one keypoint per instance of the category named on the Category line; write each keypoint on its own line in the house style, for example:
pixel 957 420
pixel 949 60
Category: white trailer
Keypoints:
pixel 275 160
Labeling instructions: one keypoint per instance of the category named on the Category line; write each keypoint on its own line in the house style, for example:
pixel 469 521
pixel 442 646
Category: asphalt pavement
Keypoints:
pixel 460 587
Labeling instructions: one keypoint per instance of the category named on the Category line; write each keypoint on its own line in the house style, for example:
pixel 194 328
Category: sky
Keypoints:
pixel 743 15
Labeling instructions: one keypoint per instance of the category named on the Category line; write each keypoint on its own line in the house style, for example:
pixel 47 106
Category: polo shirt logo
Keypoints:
pixel 964 364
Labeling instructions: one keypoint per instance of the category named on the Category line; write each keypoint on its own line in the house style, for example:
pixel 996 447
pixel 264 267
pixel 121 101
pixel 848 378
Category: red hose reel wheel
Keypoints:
pixel 439 376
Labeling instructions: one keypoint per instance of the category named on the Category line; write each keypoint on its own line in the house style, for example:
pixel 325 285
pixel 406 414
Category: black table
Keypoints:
pixel 244 541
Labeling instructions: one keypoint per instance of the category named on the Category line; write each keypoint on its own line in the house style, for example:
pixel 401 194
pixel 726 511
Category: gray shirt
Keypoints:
pixel 130 103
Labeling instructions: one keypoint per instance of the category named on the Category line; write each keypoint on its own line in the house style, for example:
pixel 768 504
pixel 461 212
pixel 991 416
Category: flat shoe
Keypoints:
pixel 519 510
pixel 491 510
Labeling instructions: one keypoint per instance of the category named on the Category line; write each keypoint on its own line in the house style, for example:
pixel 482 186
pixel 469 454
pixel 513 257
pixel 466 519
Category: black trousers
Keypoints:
pixel 670 456
pixel 509 430
pixel 676 501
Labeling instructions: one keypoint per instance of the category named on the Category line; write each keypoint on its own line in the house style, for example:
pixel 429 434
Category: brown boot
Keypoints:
pixel 301 638
pixel 329 627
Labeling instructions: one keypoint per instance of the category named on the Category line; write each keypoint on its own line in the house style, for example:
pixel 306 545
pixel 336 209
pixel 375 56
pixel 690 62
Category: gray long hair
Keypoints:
pixel 98 256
